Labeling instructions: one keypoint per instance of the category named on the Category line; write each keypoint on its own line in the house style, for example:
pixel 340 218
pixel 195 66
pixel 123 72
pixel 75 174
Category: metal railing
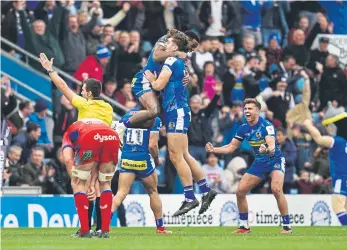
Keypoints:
pixel 62 73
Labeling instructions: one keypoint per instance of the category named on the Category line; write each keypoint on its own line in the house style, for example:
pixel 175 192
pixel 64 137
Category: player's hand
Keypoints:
pixel 150 76
pixel 158 162
pixel 91 193
pixel 209 147
pixel 186 78
pixel 263 149
pixel 46 64
pixel 126 7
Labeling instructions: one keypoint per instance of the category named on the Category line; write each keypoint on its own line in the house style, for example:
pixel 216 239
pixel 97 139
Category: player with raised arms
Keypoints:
pixel 142 88
pixel 95 146
pixel 139 158
pixel 337 156
pixel 177 121
pixel 261 135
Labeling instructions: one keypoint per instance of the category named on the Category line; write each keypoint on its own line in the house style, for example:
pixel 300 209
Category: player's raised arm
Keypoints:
pixel 325 141
pixel 56 79
pixel 227 149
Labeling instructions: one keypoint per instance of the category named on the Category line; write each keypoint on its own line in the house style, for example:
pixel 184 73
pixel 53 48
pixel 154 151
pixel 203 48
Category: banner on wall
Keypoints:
pixel 59 211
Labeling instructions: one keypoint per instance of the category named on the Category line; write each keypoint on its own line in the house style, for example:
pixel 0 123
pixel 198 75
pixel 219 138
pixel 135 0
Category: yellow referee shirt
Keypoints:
pixel 97 109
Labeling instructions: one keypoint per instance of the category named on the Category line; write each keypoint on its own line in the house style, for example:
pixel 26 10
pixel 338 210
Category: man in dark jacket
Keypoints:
pixel 13 166
pixel 35 172
pixel 20 117
pixel 288 149
pixel 200 131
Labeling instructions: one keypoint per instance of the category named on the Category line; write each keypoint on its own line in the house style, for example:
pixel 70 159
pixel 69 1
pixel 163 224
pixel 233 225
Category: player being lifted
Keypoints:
pixel 95 146
pixel 142 88
pixel 177 121
pixel 139 158
pixel 260 133
pixel 337 155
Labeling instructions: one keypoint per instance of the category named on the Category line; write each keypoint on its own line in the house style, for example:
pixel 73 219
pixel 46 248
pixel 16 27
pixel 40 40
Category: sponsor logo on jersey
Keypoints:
pixel 320 215
pixel 135 214
pixel 102 138
pixel 229 215
pixel 134 165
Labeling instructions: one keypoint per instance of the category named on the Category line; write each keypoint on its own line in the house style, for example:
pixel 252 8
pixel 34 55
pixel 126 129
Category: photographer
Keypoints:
pixel 13 170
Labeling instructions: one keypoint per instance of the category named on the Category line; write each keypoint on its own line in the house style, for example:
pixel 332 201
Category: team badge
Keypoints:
pixel 135 215
pixel 87 155
pixel 277 166
pixel 229 215
pixel 320 215
pixel 258 135
pixel 172 125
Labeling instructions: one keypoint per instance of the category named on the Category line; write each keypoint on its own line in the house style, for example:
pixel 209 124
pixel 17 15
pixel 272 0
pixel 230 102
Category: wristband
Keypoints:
pixel 50 71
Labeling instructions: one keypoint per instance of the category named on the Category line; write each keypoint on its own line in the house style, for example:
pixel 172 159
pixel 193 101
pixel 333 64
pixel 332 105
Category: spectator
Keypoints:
pixel 8 100
pixel 61 172
pixel 108 31
pixel 125 95
pixel 199 132
pixel 38 117
pixel 322 27
pixel 217 50
pixel 20 117
pixel 154 22
pixel 110 87
pixel 288 150
pixel 214 174
pixel 94 65
pixel 303 24
pixel 318 57
pixel 135 17
pixel 274 51
pixel 320 165
pixel 94 38
pixel 27 140
pixel 169 17
pixel 46 10
pixel 251 13
pixel 229 48
pixel 209 80
pixel 234 172
pixel 333 83
pixel 201 56
pixel 13 167
pixel 248 45
pixel 284 68
pixel 304 184
pixel 298 49
pixel 336 11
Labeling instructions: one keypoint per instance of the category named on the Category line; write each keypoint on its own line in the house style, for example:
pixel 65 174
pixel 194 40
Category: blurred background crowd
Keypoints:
pixel 248 49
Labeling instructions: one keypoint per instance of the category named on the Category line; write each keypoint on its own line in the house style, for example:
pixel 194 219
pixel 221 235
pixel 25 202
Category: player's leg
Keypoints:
pixel 150 184
pixel 177 145
pixel 208 194
pixel 247 183
pixel 97 208
pixel 277 180
pixel 126 179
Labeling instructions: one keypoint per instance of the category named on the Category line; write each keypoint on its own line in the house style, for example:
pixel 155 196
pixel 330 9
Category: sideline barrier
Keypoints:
pixel 59 211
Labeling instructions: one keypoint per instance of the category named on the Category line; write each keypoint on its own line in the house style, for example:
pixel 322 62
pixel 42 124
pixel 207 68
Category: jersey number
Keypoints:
pixel 134 136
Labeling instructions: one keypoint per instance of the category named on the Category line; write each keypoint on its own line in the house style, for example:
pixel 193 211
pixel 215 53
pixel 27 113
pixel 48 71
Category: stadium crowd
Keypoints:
pixel 248 49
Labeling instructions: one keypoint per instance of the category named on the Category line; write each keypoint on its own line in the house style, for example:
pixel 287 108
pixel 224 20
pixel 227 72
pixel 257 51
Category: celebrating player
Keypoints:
pixel 142 89
pixel 95 142
pixel 139 158
pixel 177 121
pixel 337 156
pixel 260 133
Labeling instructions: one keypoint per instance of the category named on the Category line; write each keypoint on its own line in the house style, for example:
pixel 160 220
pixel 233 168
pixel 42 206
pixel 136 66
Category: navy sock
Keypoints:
pixel 98 214
pixel 159 223
pixel 90 213
pixel 243 219
pixel 286 220
pixel 188 193
pixel 342 218
pixel 203 186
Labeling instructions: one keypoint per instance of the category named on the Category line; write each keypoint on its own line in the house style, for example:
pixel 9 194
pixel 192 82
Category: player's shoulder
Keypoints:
pixel 171 60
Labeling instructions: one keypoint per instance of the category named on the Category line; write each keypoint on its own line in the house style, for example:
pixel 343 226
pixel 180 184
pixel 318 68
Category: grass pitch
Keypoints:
pixel 207 238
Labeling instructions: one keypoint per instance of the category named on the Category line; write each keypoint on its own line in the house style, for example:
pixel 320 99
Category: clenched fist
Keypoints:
pixel 209 147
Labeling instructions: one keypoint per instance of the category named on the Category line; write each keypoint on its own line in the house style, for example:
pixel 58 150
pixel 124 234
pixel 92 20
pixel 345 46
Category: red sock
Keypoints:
pixel 105 207
pixel 81 203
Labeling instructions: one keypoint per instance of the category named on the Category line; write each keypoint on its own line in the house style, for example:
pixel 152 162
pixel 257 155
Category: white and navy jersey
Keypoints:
pixel 338 158
pixel 256 135
pixel 136 141
pixel 152 65
pixel 174 93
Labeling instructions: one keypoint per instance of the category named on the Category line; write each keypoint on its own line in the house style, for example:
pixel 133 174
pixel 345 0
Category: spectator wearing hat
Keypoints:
pixel 38 117
pixel 274 51
pixel 94 65
pixel 229 48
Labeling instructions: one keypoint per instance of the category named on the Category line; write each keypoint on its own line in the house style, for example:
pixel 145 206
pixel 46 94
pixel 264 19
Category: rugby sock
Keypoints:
pixel 81 203
pixel 188 193
pixel 203 186
pixel 90 213
pixel 105 208
pixel 286 220
pixel 98 214
pixel 244 220
pixel 342 218
pixel 160 224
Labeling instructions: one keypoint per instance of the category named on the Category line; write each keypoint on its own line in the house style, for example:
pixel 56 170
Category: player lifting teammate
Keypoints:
pixel 94 144
pixel 260 133
pixel 139 158
pixel 177 121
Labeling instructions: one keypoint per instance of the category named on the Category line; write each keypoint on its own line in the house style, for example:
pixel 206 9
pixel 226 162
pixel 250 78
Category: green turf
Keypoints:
pixel 303 238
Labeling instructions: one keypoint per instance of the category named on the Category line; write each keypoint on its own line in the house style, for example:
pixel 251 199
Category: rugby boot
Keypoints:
pixel 84 235
pixel 162 230
pixel 96 233
pixel 104 234
pixel 186 207
pixel 206 201
pixel 286 230
pixel 242 230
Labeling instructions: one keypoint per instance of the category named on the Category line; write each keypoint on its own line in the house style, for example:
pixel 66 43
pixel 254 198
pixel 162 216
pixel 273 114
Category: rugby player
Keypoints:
pixel 139 158
pixel 177 121
pixel 261 135
pixel 96 147
pixel 142 88
pixel 337 155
